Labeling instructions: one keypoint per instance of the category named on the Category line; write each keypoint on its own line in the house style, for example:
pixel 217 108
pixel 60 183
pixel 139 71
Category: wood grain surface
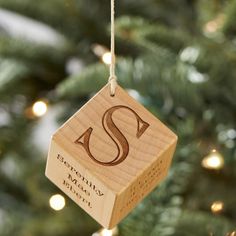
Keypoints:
pixel 109 155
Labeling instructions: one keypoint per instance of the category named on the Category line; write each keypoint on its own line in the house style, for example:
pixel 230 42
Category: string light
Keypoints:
pixel 213 161
pixel 39 108
pixel 213 25
pixel 107 232
pixel 106 58
pixel 57 202
pixel 217 207
pixel 99 50
pixel 103 53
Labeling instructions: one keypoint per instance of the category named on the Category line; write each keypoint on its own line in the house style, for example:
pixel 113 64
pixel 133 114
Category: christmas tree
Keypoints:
pixel 177 58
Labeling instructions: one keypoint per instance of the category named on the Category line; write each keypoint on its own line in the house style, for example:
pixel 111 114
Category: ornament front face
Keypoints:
pixel 109 155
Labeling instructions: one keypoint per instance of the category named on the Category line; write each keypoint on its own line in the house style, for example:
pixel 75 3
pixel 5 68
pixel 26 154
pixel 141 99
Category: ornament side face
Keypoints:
pixel 109 155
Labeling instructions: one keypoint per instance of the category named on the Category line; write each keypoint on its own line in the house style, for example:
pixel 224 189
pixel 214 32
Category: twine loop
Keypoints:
pixel 113 83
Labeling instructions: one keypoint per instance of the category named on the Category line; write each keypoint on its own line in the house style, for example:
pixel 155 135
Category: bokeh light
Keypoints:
pixel 106 232
pixel 213 161
pixel 106 58
pixel 57 202
pixel 39 108
pixel 217 207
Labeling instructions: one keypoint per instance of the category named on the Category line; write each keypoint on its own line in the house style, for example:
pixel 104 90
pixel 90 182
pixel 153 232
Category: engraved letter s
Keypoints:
pixel 116 135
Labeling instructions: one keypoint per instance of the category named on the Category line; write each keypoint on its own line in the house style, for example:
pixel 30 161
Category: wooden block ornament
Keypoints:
pixel 109 155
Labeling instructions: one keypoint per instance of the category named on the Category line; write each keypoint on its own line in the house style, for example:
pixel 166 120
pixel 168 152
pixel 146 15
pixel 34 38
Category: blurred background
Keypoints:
pixel 177 58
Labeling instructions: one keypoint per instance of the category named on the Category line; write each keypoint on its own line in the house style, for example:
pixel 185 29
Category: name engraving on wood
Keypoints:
pixel 84 189
pixel 115 134
pixel 140 188
pixel 78 184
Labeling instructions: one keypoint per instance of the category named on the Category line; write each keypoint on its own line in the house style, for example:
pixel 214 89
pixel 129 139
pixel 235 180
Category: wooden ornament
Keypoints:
pixel 109 155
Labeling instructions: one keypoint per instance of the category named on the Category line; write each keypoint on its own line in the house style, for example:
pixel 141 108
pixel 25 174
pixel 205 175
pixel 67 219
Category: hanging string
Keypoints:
pixel 112 78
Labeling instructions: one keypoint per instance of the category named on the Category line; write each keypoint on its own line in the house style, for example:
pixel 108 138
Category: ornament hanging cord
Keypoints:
pixel 112 78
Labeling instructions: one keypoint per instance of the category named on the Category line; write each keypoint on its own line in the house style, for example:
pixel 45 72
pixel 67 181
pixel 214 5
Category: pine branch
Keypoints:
pixel 136 29
pixel 10 71
pixel 200 223
pixel 33 52
pixel 229 27
pixel 84 83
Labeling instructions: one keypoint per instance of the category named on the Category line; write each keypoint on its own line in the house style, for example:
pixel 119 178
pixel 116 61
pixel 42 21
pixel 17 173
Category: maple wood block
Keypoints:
pixel 109 155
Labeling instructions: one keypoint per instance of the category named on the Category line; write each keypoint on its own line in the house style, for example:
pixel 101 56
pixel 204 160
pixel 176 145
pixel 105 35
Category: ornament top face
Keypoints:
pixel 109 155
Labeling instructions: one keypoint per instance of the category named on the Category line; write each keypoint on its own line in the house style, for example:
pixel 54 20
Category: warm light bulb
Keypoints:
pixel 211 26
pixel 106 232
pixel 213 161
pixel 99 50
pixel 57 202
pixel 106 58
pixel 39 108
pixel 217 207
